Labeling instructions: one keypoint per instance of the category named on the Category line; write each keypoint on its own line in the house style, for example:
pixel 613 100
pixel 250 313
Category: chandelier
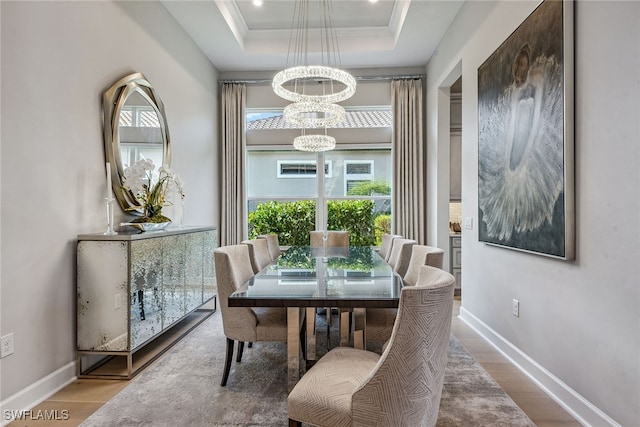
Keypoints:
pixel 314 90
pixel 314 143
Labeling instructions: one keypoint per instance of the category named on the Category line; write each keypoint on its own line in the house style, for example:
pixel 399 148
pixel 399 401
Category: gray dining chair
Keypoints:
pixel 385 245
pixel 401 387
pixel 258 253
pixel 243 324
pixel 335 238
pixel 422 255
pixel 400 255
pixel 273 244
pixel 378 322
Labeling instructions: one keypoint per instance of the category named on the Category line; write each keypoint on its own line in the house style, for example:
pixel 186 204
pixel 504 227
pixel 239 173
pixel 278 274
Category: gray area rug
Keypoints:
pixel 182 388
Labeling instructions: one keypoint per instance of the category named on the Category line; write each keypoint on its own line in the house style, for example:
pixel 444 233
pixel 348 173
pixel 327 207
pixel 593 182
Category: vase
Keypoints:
pixel 152 221
pixel 150 226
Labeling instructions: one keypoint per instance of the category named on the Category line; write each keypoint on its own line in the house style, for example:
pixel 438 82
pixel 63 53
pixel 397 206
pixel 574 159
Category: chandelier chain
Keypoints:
pixel 314 106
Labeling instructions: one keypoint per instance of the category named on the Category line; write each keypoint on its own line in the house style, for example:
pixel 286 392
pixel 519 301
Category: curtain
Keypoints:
pixel 232 209
pixel 409 189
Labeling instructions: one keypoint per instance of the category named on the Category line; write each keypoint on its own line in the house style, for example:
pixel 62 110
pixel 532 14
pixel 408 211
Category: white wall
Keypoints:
pixel 579 327
pixel 57 59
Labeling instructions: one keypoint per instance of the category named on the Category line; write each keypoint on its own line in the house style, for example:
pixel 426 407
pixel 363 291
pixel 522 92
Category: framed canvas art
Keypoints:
pixel 525 136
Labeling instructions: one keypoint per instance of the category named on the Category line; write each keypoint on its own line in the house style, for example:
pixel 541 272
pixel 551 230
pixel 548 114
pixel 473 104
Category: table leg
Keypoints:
pixel 359 335
pixel 311 333
pixel 345 326
pixel 293 346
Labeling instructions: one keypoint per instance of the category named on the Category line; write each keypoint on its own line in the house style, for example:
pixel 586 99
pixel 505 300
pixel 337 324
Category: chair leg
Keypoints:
pixel 227 363
pixel 240 349
pixel 294 423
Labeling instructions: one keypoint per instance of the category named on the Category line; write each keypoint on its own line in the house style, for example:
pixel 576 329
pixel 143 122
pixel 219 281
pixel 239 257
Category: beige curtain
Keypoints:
pixel 232 209
pixel 409 189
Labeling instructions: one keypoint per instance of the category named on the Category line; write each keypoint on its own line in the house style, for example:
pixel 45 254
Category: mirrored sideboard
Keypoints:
pixel 134 287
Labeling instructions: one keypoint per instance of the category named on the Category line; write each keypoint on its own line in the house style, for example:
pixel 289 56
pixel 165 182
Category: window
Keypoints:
pixel 301 169
pixel 287 195
pixel 293 200
pixel 357 172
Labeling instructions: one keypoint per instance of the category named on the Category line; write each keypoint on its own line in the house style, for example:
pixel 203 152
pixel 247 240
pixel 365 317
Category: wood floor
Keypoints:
pixel 81 398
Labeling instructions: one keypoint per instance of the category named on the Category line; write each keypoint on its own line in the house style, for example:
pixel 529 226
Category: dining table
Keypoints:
pixel 304 278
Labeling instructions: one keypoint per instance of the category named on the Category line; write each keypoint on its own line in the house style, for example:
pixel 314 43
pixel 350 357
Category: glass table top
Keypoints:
pixel 338 277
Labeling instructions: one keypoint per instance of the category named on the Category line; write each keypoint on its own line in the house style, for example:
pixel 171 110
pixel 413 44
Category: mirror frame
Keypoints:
pixel 113 101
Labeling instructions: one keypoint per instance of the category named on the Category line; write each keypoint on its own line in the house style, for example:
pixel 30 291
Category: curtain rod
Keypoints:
pixel 358 78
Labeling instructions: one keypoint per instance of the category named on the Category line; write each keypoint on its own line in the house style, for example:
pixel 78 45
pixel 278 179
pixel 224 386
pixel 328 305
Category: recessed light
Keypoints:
pixel 257 2
pixel 373 1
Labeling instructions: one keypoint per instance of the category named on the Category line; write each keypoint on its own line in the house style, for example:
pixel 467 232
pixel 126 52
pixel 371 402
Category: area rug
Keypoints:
pixel 182 388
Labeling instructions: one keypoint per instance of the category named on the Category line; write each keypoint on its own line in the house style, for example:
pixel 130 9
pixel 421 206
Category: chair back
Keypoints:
pixel 406 385
pixel 273 244
pixel 401 255
pixel 258 253
pixel 385 245
pixel 335 238
pixel 233 269
pixel 422 255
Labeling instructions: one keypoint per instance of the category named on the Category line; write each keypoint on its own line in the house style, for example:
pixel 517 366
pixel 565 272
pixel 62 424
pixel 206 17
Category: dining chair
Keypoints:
pixel 378 322
pixel 273 243
pixel 401 387
pixel 422 255
pixel 243 324
pixel 385 245
pixel 400 255
pixel 335 238
pixel 258 253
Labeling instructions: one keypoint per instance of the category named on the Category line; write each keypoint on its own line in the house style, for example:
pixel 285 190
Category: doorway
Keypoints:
pixel 455 183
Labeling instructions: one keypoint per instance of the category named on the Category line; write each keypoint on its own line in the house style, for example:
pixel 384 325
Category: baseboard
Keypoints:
pixel 579 407
pixel 37 392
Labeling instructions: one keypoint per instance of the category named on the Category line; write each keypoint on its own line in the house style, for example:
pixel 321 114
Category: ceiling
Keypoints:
pixel 237 36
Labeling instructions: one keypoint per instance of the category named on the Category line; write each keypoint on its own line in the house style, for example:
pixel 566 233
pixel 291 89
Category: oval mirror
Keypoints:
pixel 135 127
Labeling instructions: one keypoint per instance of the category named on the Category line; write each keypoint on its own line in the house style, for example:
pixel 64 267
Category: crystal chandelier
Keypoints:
pixel 313 115
pixel 314 143
pixel 314 90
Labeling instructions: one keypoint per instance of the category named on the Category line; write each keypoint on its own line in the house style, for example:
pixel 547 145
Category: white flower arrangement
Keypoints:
pixel 138 178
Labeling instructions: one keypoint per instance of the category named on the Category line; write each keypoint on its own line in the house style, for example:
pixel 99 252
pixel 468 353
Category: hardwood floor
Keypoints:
pixel 84 396
pixel 542 410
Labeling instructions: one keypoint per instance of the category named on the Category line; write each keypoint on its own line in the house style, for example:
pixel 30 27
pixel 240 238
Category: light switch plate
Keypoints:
pixel 468 223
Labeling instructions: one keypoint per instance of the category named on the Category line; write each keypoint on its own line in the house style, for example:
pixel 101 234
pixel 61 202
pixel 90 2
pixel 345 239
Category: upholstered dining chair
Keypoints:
pixel 422 255
pixel 401 387
pixel 273 244
pixel 335 238
pixel 258 253
pixel 379 321
pixel 385 245
pixel 400 255
pixel 243 324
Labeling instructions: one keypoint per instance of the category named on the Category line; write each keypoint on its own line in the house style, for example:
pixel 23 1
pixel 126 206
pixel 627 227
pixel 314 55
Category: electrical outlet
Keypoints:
pixel 6 345
pixel 516 307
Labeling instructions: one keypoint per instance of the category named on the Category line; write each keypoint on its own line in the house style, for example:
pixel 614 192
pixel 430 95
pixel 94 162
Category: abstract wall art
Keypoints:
pixel 525 136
